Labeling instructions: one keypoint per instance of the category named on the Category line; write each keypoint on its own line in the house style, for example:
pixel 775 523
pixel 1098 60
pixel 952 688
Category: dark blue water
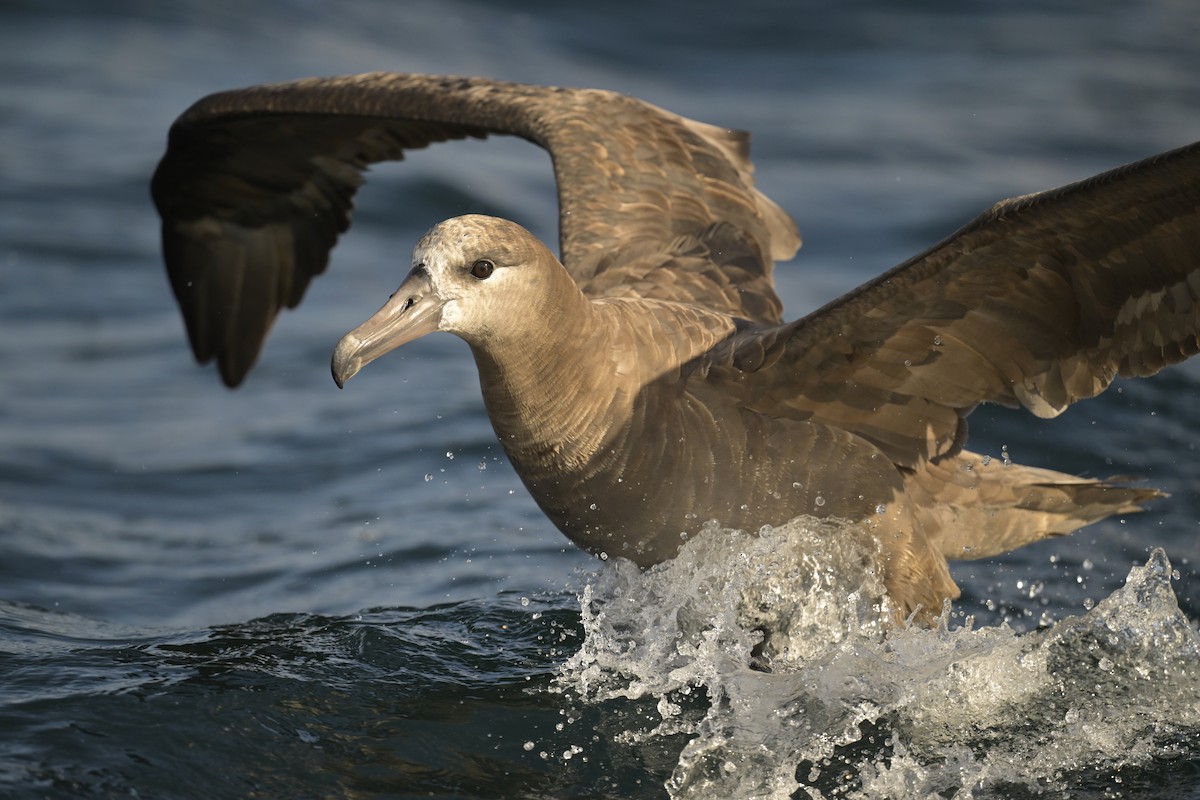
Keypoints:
pixel 291 591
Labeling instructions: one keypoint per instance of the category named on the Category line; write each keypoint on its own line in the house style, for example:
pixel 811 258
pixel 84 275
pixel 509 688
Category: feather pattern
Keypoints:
pixel 648 382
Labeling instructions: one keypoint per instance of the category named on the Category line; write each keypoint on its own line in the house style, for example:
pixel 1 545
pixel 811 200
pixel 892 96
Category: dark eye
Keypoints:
pixel 483 268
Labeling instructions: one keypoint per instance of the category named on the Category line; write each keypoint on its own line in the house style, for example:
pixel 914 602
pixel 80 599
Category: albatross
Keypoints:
pixel 646 382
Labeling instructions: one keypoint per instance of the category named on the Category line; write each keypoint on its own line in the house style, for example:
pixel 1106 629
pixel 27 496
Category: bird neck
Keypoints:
pixel 551 390
pixel 563 393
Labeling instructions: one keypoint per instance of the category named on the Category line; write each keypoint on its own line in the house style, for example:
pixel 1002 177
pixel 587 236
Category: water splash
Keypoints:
pixel 854 707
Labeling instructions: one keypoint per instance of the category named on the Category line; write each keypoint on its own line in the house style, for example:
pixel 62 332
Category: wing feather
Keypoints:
pixel 1040 301
pixel 257 184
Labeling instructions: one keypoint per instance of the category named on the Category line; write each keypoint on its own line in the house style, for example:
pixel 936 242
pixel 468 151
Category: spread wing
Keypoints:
pixel 1040 301
pixel 257 184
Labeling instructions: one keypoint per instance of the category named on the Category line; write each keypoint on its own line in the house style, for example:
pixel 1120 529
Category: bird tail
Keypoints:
pixel 973 507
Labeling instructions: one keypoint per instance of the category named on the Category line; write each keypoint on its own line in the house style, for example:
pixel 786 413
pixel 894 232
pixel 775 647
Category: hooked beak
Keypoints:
pixel 413 311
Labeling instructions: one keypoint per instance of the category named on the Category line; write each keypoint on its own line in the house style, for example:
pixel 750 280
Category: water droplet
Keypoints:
pixel 528 746
pixel 881 508
pixel 524 601
pixel 1088 564
pixel 450 454
pixel 820 501
pixel 986 460
pixel 482 465
pixel 1107 664
pixel 937 341
pixel 428 477
pixel 592 506
pixel 796 484
pixel 1089 603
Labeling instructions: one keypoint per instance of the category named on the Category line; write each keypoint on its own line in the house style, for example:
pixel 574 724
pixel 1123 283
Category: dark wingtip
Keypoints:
pixel 232 374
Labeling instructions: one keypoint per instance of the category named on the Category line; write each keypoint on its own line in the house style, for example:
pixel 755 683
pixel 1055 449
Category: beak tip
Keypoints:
pixel 344 372
pixel 412 311
pixel 345 363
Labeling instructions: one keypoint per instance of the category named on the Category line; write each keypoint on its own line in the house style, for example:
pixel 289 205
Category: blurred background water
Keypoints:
pixel 289 590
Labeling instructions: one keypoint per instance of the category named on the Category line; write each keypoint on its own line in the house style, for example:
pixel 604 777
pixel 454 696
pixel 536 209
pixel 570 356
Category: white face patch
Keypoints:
pixel 471 307
pixel 452 316
pixel 463 297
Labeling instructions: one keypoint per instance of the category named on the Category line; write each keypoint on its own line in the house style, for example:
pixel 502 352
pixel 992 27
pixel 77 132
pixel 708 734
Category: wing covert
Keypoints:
pixel 257 184
pixel 1040 301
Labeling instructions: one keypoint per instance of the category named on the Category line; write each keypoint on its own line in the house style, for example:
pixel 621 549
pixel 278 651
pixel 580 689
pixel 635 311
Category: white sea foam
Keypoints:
pixel 855 707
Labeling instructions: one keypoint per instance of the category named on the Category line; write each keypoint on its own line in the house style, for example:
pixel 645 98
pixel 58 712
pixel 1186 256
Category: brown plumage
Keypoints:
pixel 647 383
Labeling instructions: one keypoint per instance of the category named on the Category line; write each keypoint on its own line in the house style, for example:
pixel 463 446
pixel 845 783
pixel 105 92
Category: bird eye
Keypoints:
pixel 483 268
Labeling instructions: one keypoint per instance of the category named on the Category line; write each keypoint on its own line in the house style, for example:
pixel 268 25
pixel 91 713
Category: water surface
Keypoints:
pixel 289 590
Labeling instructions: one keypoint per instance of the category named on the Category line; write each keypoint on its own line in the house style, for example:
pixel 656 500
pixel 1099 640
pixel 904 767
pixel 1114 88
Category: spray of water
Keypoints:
pixel 809 687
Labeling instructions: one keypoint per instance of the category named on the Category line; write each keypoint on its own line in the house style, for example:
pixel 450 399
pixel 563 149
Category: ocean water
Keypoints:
pixel 294 591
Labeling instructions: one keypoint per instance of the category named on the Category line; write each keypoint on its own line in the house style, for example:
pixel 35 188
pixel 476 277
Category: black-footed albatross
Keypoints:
pixel 647 383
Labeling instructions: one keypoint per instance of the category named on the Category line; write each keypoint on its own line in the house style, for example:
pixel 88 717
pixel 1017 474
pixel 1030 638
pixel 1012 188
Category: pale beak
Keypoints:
pixel 413 311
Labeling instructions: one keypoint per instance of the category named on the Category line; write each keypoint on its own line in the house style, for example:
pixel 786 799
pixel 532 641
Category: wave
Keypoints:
pixel 777 655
